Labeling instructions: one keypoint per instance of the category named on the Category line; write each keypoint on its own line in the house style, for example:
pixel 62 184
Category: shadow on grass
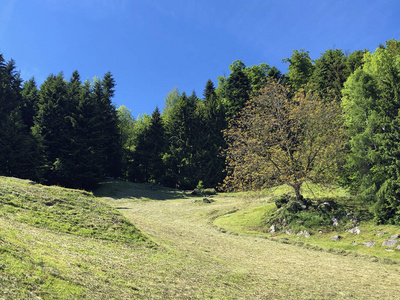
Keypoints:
pixel 117 189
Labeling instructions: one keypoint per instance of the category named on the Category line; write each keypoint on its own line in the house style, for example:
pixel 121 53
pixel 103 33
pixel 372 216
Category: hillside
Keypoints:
pixel 193 258
pixel 48 233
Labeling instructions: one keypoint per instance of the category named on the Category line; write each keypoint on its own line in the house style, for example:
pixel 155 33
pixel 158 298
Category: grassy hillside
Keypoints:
pixel 48 235
pixel 45 251
pixel 251 219
pixel 64 210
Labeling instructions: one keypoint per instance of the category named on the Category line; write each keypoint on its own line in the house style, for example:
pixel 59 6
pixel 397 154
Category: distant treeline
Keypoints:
pixel 69 132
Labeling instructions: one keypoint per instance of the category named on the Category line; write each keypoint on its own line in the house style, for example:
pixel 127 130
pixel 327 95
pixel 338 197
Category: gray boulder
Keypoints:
pixel 393 237
pixel 369 244
pixel 354 230
pixel 206 200
pixel 336 238
pixel 382 233
pixel 272 229
pixel 305 233
pixel 390 243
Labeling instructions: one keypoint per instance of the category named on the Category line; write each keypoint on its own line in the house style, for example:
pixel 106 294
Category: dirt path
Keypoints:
pixel 251 267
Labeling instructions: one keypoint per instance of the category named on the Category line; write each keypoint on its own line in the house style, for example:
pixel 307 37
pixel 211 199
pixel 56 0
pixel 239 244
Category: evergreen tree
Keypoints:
pixel 212 141
pixel 182 134
pixel 149 151
pixel 107 130
pixel 371 106
pixel 89 169
pixel 237 87
pixel 53 128
pixel 330 72
pixel 17 146
pixel 29 103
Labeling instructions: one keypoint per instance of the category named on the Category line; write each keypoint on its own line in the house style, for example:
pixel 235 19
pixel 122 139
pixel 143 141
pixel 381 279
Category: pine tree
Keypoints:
pixel 109 141
pixel 53 129
pixel 371 106
pixel 238 89
pixel 183 133
pixel 150 148
pixel 17 146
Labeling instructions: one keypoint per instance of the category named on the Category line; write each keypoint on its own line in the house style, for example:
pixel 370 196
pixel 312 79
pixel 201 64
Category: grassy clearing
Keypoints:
pixel 251 220
pixel 194 260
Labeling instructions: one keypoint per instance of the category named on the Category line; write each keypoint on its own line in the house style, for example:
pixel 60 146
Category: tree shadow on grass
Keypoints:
pixel 117 189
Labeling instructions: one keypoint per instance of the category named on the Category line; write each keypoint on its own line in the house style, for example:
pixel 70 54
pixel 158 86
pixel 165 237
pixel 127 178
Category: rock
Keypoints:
pixel 320 231
pixel 369 244
pixel 289 231
pixel 206 200
pixel 271 229
pixel 389 250
pixel 336 237
pixel 354 243
pixel 305 233
pixel 393 237
pixel 335 221
pixel 324 206
pixel 354 219
pixel 381 233
pixel 354 230
pixel 398 247
pixel 390 243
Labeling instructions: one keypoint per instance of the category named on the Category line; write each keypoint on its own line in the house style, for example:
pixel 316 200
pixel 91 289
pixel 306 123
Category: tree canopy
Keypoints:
pixel 371 106
pixel 278 139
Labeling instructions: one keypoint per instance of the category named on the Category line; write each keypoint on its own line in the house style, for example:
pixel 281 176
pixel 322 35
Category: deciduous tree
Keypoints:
pixel 278 139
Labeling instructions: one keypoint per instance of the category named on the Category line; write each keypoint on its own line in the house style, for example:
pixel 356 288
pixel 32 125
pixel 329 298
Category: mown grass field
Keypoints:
pixel 178 251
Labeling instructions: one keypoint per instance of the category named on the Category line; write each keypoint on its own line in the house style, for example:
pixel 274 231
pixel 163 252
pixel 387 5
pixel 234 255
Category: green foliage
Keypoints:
pixel 331 71
pixel 18 155
pixel 279 139
pixel 237 89
pixel 183 134
pixel 147 164
pixel 300 68
pixel 371 106
pixel 76 126
pixel 170 101
pixel 282 200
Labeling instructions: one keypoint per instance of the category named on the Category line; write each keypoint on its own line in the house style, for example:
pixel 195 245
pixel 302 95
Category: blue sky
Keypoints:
pixel 151 46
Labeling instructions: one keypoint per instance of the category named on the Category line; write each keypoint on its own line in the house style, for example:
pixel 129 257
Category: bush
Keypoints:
pixel 282 200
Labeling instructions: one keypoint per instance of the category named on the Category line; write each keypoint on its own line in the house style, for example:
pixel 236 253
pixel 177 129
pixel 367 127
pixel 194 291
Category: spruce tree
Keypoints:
pixel 17 146
pixel 371 106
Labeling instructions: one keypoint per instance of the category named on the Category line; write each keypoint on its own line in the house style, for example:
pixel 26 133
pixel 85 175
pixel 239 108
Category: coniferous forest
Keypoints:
pixel 332 119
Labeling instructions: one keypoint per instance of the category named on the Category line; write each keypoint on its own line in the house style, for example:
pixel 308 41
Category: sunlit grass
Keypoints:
pixel 193 260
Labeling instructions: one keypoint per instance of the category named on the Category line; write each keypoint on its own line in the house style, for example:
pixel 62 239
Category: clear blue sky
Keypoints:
pixel 151 46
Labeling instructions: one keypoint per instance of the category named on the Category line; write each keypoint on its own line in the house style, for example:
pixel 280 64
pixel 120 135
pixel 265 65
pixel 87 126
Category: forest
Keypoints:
pixel 333 120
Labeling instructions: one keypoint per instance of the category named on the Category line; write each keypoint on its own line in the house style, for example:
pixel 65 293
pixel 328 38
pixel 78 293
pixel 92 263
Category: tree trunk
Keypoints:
pixel 297 187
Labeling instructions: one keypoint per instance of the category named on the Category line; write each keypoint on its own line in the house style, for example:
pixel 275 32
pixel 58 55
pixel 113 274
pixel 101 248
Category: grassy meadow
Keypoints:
pixel 128 241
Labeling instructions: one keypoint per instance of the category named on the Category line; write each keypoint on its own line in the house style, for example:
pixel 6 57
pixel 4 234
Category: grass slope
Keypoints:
pixel 64 210
pixel 193 259
pixel 251 219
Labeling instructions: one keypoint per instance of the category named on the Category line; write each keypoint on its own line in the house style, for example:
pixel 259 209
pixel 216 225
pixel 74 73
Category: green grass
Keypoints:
pixel 251 219
pixel 64 210
pixel 193 259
